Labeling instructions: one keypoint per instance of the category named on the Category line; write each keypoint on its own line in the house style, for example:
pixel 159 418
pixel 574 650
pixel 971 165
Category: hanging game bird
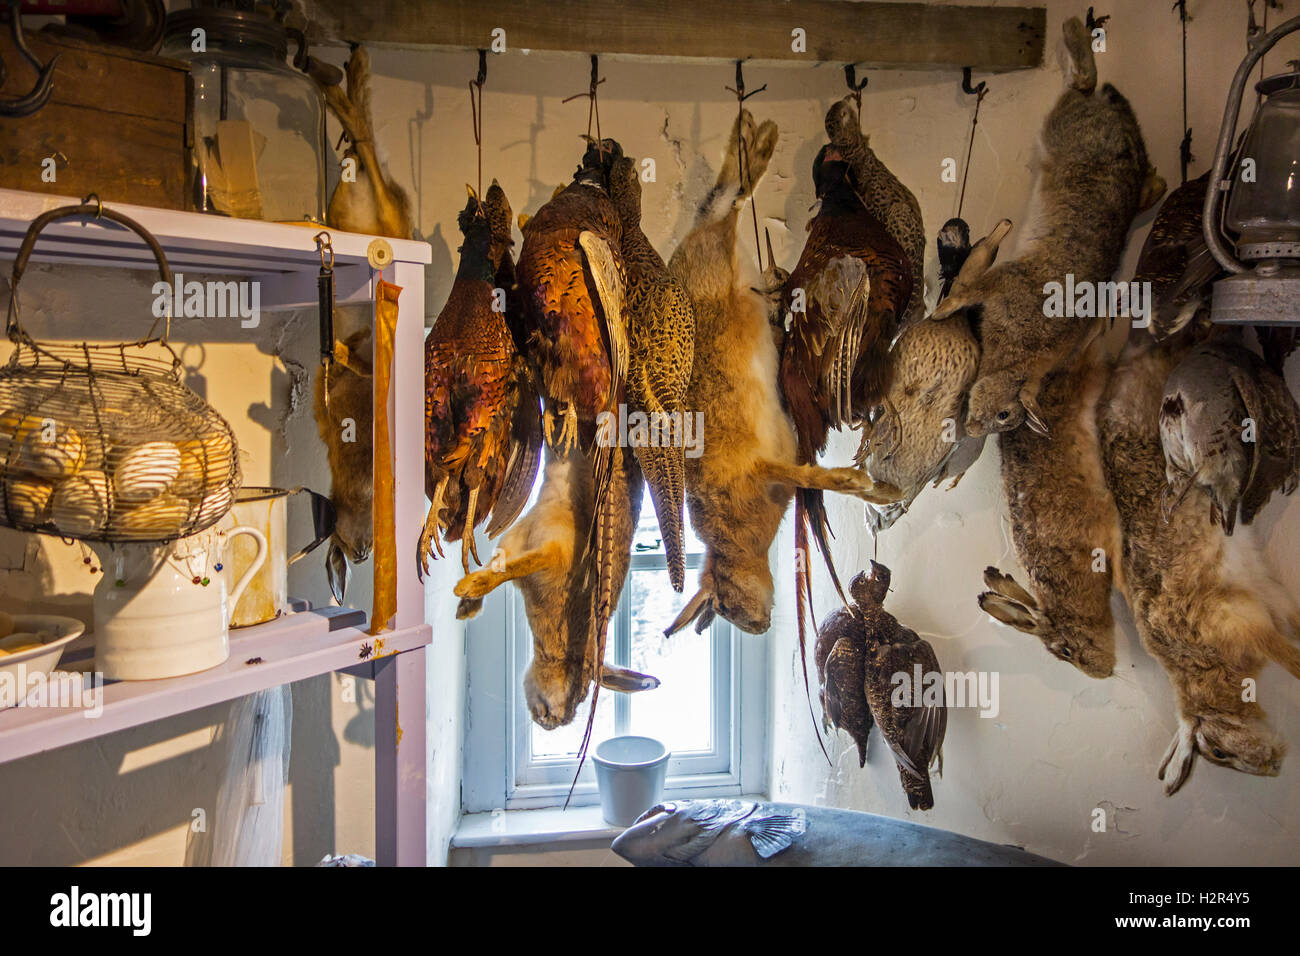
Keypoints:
pixel 570 278
pixel 1229 424
pixel 853 281
pixel 660 324
pixel 913 731
pixel 481 440
pixel 884 195
pixel 841 653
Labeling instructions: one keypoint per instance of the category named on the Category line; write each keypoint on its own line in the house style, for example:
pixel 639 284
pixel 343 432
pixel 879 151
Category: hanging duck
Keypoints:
pixel 481 442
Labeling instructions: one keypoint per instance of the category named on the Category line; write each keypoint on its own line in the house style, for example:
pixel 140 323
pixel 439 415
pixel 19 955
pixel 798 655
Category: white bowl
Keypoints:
pixel 63 631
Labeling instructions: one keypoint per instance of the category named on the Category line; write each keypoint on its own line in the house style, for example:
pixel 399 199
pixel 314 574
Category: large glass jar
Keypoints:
pixel 259 124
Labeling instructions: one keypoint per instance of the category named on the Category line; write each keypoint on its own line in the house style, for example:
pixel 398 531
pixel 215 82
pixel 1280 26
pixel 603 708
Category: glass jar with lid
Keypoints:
pixel 258 124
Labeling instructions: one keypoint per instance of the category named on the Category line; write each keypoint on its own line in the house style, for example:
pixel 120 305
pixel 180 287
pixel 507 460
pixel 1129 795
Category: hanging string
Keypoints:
pixel 743 156
pixel 855 89
pixel 476 114
pixel 1185 148
pixel 979 92
pixel 593 107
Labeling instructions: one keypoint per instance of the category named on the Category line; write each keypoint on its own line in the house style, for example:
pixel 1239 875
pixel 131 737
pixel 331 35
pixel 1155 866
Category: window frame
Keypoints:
pixel 498 769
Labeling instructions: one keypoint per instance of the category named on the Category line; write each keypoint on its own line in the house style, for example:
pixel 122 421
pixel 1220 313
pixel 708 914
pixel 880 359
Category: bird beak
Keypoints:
pixel 470 189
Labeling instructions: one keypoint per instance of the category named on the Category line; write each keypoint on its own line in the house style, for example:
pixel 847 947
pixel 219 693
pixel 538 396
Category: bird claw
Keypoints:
pixel 433 524
pixel 568 436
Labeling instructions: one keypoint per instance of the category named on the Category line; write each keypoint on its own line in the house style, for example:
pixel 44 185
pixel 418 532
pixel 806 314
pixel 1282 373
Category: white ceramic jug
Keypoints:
pixel 162 610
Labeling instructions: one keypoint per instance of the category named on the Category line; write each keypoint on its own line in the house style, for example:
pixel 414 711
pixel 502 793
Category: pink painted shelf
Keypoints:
pixel 285 650
pixel 282 258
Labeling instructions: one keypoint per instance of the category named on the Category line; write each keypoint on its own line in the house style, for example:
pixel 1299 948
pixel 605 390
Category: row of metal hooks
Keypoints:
pixel 855 86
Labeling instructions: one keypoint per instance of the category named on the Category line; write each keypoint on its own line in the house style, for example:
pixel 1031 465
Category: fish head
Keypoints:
pixel 1241 743
pixel 657 836
pixel 677 832
pixel 994 404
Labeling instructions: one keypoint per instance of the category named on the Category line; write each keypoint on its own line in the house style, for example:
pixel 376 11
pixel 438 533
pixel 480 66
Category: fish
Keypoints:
pixel 749 833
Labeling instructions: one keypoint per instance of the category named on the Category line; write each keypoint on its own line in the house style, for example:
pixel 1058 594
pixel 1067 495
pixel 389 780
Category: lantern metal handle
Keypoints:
pixel 1219 186
pixel 85 210
pixel 39 95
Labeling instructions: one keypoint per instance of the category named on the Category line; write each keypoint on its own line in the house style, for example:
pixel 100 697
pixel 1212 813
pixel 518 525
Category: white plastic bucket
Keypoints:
pixel 630 773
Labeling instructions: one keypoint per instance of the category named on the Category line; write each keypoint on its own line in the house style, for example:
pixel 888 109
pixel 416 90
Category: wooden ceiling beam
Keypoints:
pixel 870 34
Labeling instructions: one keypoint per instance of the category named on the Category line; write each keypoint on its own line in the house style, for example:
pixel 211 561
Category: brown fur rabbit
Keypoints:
pixel 1206 605
pixel 542 553
pixel 738 490
pixel 1064 526
pixel 350 451
pixel 1095 179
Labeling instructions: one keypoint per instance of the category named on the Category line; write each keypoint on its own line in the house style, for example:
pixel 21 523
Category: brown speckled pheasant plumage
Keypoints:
pixel 481 428
pixel 841 654
pixel 661 350
pixel 564 318
pixel 885 196
pixel 914 732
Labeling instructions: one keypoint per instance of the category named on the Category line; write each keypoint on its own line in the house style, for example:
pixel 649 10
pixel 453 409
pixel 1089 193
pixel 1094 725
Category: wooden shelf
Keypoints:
pixel 288 649
pixel 871 34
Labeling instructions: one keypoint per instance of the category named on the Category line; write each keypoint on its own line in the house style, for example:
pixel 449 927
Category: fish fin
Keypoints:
pixel 771 833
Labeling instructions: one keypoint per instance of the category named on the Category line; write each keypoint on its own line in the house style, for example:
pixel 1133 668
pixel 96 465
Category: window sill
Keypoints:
pixel 536 827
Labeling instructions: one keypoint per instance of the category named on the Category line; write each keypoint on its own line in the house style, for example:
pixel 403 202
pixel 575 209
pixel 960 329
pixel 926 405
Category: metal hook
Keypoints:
pixel 40 93
pixel 978 90
pixel 99 204
pixel 855 88
pixel 739 89
pixel 324 245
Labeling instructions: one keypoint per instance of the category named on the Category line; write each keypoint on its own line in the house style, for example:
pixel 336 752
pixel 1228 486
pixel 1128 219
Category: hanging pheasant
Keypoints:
pixel 845 299
pixel 481 441
pixel 661 341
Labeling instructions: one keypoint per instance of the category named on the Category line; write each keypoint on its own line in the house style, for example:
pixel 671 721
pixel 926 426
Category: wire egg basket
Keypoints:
pixel 105 442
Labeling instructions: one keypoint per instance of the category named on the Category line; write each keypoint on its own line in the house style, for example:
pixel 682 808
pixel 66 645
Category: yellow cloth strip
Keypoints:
pixel 385 518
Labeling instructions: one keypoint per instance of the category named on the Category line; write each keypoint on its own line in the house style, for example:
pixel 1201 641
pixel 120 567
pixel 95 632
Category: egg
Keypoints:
pixel 52 451
pixel 80 505
pixel 213 458
pixel 28 500
pixel 142 472
pixel 164 516
pixel 213 505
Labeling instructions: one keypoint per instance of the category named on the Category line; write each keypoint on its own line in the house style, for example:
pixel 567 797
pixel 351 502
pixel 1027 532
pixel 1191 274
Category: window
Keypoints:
pixel 708 711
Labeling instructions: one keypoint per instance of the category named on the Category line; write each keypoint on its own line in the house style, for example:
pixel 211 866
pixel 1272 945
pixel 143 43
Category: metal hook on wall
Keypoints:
pixel 40 93
pixel 966 87
pixel 1095 22
pixel 855 88
pixel 741 96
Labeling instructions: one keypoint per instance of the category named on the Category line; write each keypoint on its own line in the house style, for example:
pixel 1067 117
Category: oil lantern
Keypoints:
pixel 1252 211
